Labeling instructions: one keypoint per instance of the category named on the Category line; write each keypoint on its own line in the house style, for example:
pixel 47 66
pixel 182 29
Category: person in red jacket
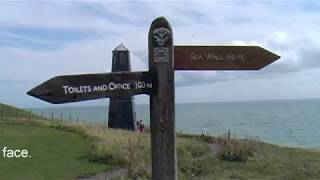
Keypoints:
pixel 140 126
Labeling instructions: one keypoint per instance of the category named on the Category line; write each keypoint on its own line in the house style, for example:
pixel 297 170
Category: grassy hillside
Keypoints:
pixel 10 112
pixel 55 154
pixel 61 151
pixel 198 160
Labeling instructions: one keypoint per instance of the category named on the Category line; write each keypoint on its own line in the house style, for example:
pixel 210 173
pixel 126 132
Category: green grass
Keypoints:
pixel 10 112
pixel 269 162
pixel 196 160
pixel 55 154
pixel 61 151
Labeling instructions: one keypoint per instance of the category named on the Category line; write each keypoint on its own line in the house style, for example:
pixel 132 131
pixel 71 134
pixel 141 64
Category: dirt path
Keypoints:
pixel 107 175
pixel 215 148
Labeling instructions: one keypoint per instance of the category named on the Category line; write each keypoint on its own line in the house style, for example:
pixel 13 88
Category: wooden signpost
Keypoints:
pixel 158 82
pixel 162 106
pixel 74 88
pixel 222 57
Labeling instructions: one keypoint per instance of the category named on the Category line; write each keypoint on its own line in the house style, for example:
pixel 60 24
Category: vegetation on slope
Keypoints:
pixel 196 160
pixel 10 112
pixel 67 151
pixel 55 154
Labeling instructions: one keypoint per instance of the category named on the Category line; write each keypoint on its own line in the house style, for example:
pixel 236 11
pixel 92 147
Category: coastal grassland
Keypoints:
pixel 117 148
pixel 64 151
pixel 55 154
pixel 11 112
pixel 267 162
pixel 196 160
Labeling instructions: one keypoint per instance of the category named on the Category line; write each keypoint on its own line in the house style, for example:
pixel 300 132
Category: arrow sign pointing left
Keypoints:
pixel 74 88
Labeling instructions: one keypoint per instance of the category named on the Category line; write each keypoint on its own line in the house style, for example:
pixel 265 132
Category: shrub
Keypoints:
pixel 135 155
pixel 237 150
pixel 192 158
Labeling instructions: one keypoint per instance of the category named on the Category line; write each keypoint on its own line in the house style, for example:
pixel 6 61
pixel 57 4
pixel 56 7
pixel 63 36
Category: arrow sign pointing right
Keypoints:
pixel 74 88
pixel 222 57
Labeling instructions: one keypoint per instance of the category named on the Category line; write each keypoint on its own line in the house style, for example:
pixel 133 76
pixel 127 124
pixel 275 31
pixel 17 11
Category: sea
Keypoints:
pixel 293 123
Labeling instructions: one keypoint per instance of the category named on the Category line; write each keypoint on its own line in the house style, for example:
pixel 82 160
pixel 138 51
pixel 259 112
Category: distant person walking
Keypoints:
pixel 140 126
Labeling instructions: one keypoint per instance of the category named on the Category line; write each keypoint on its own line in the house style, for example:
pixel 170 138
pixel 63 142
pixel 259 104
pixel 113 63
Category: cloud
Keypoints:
pixel 39 40
pixel 297 85
pixel 311 55
pixel 298 53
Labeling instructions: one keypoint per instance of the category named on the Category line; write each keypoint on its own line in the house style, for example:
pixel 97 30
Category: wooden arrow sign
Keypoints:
pixel 74 88
pixel 222 57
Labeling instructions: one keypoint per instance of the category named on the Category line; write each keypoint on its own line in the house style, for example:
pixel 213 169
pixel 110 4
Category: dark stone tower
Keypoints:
pixel 121 109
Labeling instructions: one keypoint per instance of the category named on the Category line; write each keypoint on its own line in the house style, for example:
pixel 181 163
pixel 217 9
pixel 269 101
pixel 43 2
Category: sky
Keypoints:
pixel 43 39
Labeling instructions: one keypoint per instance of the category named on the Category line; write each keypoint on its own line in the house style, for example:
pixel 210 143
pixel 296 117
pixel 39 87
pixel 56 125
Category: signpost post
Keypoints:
pixel 158 82
pixel 162 108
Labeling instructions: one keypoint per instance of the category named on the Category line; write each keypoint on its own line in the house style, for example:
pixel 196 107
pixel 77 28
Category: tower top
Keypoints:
pixel 121 47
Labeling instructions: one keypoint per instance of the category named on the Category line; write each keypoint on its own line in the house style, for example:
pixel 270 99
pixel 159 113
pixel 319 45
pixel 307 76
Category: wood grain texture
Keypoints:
pixel 54 90
pixel 222 57
pixel 162 101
